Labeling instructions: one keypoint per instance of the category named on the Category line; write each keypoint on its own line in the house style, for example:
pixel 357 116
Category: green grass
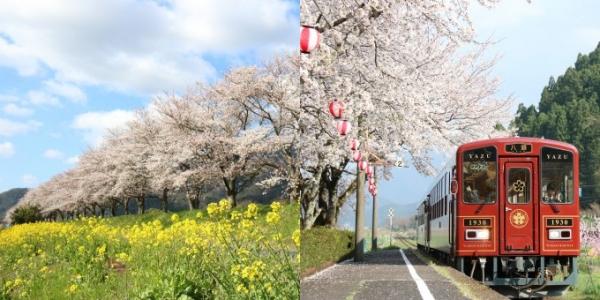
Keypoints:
pixel 323 246
pixel 588 282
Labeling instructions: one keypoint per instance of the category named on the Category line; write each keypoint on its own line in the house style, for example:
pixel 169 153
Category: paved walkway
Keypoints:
pixel 383 275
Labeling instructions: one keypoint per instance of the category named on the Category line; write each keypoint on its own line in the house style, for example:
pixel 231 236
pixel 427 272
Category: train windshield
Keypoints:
pixel 480 175
pixel 557 176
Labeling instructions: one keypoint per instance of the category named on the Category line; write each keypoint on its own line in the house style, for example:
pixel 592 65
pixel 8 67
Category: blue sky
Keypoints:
pixel 70 70
pixel 532 41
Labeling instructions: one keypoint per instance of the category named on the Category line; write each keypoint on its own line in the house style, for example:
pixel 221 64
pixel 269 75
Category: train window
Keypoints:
pixel 445 205
pixel 557 176
pixel 518 186
pixel 480 175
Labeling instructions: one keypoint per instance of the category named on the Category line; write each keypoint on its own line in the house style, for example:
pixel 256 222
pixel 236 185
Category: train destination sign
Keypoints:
pixel 518 148
pixel 482 154
pixel 549 154
pixel 559 222
pixel 485 222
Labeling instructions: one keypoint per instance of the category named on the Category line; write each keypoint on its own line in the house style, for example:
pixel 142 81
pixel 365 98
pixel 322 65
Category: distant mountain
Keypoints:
pixel 9 198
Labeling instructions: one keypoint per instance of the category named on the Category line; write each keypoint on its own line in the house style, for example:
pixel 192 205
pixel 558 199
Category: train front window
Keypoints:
pixel 518 186
pixel 480 175
pixel 557 176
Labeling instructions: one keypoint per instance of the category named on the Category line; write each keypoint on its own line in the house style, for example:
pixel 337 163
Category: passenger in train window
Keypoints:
pixel 472 194
pixel 551 193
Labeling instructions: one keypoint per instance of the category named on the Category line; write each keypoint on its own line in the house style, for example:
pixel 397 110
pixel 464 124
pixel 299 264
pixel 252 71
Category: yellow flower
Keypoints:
pixel 241 289
pixel 251 211
pixel 235 215
pixel 296 237
pixel 101 250
pixel 275 207
pixel 212 209
pixel 245 224
pixel 44 269
pixel 199 215
pixel 72 289
pixel 273 218
pixel 18 282
pixel 123 257
pixel 224 205
pixel 175 218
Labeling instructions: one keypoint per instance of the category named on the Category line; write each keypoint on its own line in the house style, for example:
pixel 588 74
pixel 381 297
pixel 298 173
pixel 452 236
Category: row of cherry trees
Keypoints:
pixel 240 131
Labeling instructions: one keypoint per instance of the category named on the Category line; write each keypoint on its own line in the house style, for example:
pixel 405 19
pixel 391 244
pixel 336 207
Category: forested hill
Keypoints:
pixel 10 198
pixel 569 110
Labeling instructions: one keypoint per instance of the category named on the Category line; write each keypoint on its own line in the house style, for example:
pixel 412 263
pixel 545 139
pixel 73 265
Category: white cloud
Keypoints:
pixel 72 160
pixel 42 98
pixel 16 110
pixel 10 128
pixel 140 46
pixel 53 154
pixel 8 98
pixel 7 150
pixel 95 124
pixel 69 91
pixel 29 180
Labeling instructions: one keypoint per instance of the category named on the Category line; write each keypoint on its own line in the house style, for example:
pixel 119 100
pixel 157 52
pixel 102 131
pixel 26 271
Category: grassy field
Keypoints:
pixel 244 253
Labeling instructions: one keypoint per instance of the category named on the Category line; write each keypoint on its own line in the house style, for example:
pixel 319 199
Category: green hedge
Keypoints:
pixel 322 246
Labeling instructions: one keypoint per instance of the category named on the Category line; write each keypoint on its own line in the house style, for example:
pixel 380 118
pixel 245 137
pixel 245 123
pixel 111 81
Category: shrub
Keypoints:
pixel 322 246
pixel 26 214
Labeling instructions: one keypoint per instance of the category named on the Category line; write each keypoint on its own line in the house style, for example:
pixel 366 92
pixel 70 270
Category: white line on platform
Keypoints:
pixel 423 289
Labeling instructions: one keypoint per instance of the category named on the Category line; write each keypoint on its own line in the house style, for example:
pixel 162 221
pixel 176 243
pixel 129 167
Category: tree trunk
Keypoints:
pixel 230 188
pixel 140 203
pixel 189 195
pixel 102 211
pixel 127 199
pixel 164 199
pixel 113 207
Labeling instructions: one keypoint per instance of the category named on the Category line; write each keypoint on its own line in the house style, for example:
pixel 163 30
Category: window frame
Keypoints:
pixel 529 189
pixel 541 176
pixel 461 187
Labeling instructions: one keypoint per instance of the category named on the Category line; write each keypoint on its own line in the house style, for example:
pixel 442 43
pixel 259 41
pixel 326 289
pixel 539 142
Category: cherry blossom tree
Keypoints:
pixel 413 78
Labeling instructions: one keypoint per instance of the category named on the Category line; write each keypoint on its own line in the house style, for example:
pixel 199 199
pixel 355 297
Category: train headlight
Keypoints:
pixel 477 234
pixel 559 234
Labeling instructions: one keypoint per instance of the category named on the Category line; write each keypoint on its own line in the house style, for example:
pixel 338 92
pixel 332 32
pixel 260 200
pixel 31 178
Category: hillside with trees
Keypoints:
pixel 569 110
pixel 9 198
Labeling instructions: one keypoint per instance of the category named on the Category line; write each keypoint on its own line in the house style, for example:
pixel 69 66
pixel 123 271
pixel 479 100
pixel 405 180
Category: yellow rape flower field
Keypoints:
pixel 218 253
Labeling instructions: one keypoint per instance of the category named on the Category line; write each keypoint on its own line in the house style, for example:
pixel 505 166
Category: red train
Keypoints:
pixel 506 211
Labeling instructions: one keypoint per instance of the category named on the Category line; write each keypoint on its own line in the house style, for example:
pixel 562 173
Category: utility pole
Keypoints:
pixel 359 234
pixel 374 225
pixel 391 215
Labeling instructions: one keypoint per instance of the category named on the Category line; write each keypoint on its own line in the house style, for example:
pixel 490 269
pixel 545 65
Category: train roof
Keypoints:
pixel 512 140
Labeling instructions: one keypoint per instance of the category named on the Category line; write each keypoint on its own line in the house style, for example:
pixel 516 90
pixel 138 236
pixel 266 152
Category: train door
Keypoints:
pixel 518 206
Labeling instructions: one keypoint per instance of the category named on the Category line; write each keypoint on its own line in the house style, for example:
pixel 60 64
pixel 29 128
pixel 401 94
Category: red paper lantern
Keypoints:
pixel 371 180
pixel 356 155
pixel 363 165
pixel 354 144
pixel 343 127
pixel 374 192
pixel 370 171
pixel 336 109
pixel 309 39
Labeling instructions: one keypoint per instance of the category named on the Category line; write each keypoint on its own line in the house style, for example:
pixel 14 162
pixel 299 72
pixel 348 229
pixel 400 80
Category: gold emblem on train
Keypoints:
pixel 519 186
pixel 519 218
